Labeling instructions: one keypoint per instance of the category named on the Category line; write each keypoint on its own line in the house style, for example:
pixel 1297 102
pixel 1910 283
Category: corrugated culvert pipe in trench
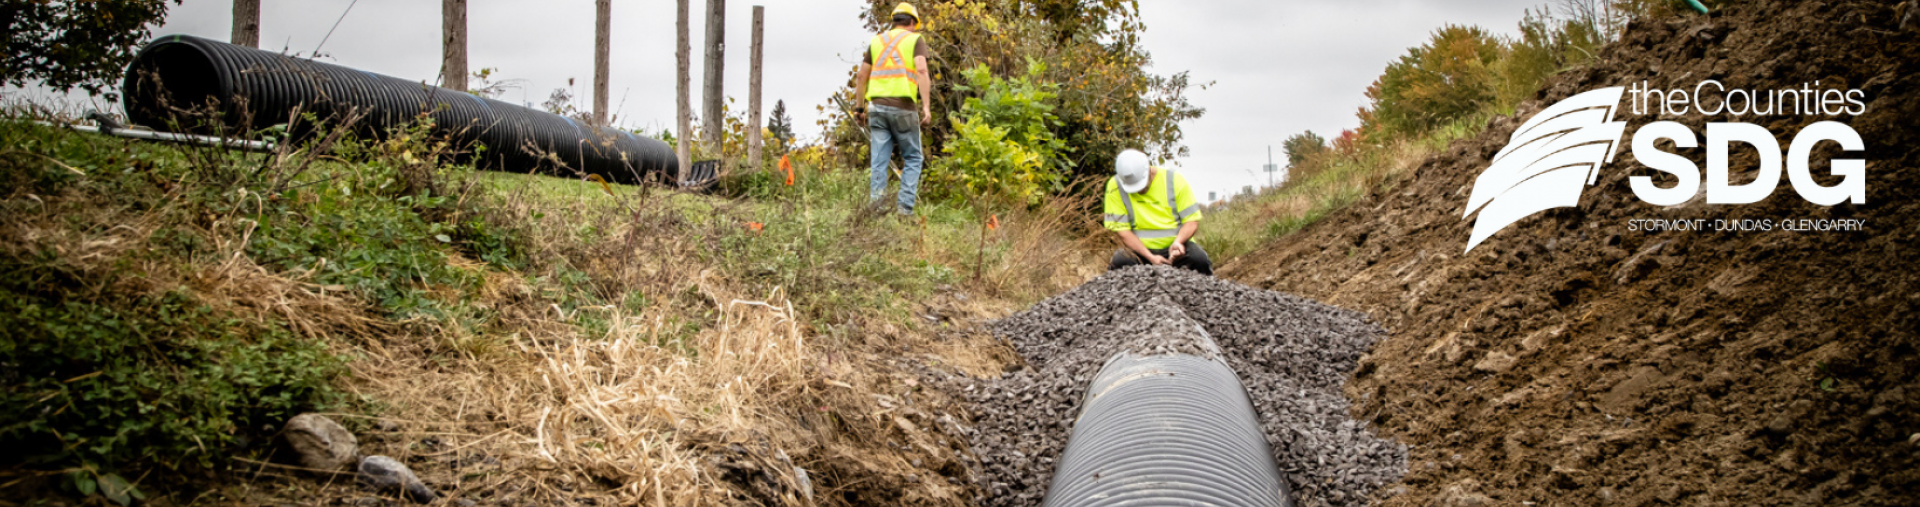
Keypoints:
pixel 252 89
pixel 1167 429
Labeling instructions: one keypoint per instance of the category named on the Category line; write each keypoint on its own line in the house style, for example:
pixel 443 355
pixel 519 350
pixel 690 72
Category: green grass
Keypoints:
pixel 116 359
pixel 1329 183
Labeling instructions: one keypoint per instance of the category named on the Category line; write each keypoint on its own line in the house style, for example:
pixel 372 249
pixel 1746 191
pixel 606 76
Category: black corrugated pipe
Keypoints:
pixel 252 89
pixel 1168 429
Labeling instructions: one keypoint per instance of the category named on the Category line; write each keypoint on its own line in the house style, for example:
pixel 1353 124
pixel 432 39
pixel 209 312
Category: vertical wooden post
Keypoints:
pixel 453 45
pixel 246 23
pixel 753 89
pixel 602 32
pixel 712 117
pixel 683 134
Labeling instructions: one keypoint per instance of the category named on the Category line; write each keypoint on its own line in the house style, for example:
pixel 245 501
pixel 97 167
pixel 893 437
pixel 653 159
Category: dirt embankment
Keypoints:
pixel 1570 360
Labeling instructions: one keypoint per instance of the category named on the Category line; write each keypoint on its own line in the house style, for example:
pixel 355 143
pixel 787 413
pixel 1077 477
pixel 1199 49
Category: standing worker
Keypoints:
pixel 1153 211
pixel 893 77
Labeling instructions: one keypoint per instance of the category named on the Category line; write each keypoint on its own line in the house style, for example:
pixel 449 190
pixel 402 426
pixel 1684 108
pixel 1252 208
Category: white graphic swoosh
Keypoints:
pixel 1547 161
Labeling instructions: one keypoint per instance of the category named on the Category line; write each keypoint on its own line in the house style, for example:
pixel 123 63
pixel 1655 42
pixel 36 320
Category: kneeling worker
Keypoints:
pixel 1153 211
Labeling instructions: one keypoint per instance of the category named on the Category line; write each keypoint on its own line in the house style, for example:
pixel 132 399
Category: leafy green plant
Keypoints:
pixel 1107 98
pixel 1302 145
pixel 382 227
pixel 1435 83
pixel 153 379
pixel 1004 148
pixel 67 44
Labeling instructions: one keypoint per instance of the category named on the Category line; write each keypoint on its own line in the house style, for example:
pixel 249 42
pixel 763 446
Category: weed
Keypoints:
pixel 148 380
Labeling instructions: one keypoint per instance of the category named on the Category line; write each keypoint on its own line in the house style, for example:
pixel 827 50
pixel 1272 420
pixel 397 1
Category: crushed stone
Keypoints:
pixel 1292 354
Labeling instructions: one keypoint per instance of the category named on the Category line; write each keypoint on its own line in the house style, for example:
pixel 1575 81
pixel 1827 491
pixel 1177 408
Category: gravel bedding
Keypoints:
pixel 1293 354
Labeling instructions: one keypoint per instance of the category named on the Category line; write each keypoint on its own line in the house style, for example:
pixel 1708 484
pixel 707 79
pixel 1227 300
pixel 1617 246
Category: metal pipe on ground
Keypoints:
pixel 149 135
pixel 249 89
pixel 1166 429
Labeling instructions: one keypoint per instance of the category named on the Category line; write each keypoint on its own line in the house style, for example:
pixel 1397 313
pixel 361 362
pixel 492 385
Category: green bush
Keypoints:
pixel 154 380
pixel 1004 148
pixel 1301 146
pixel 1447 78
pixel 382 227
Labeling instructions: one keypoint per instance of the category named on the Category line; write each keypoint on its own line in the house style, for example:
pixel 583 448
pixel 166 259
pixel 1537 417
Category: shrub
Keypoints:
pixel 1107 98
pixel 1303 145
pixel 381 227
pixel 161 380
pixel 1445 79
pixel 1004 148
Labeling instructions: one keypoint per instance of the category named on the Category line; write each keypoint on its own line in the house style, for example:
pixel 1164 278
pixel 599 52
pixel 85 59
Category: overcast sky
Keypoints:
pixel 1277 68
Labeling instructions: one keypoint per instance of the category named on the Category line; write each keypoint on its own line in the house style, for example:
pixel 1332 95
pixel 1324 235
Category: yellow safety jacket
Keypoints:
pixel 1155 221
pixel 893 70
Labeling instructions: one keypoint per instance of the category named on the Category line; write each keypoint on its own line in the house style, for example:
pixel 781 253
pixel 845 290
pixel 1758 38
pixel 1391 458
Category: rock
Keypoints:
pixel 319 442
pixel 1463 494
pixel 1495 362
pixel 387 474
pixel 806 483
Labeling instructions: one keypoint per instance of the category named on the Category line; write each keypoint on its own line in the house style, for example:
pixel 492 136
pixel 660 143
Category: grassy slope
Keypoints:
pixel 1326 184
pixel 503 334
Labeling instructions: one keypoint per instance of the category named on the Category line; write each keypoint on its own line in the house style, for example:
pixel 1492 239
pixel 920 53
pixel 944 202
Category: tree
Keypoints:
pixel 67 44
pixel 1447 78
pixel 246 23
pixel 712 109
pixel 780 126
pixel 1301 146
pixel 602 62
pixel 453 45
pixel 1106 99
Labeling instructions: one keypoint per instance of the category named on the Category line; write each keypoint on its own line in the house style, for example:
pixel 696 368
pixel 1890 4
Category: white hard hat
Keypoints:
pixel 1131 169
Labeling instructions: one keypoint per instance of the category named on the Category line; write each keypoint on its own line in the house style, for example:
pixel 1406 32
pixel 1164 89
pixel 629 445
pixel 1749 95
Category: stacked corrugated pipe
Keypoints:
pixel 1167 423
pixel 175 78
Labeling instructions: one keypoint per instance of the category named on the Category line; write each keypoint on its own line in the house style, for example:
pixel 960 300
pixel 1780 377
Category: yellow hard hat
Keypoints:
pixel 907 8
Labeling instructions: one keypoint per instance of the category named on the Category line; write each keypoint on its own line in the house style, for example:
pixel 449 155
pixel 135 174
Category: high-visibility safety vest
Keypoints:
pixel 1156 222
pixel 893 71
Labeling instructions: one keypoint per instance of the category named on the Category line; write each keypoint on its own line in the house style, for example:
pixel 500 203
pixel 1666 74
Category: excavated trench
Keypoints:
pixel 1290 356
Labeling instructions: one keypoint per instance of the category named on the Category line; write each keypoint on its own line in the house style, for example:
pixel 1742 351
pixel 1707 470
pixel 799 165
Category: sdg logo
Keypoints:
pixel 1558 152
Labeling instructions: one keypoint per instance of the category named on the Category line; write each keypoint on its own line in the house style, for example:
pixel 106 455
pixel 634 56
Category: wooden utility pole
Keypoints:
pixel 753 89
pixel 453 45
pixel 683 88
pixel 246 23
pixel 602 32
pixel 712 117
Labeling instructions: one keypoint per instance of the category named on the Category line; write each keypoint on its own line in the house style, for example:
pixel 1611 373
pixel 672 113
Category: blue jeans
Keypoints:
pixel 891 126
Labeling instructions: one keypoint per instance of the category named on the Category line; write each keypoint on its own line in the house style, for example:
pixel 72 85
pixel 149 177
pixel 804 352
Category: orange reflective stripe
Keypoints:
pixel 891 62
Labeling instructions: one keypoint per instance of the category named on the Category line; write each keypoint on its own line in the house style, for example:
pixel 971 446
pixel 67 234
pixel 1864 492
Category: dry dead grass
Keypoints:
pixel 95 243
pixel 618 411
pixel 751 408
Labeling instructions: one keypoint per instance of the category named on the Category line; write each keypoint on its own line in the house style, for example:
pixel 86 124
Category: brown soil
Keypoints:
pixel 1571 361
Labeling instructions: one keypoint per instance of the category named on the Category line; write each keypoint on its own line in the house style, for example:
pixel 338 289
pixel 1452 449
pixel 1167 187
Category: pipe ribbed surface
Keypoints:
pixel 1169 429
pixel 252 89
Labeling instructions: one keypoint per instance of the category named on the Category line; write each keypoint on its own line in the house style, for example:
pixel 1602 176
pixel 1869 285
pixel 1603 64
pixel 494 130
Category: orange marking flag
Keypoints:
pixel 787 167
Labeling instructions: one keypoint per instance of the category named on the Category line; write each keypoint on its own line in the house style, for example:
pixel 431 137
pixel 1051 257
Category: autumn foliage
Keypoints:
pixel 1089 57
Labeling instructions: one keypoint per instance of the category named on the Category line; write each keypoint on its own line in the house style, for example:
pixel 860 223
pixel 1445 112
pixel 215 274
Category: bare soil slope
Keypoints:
pixel 1571 361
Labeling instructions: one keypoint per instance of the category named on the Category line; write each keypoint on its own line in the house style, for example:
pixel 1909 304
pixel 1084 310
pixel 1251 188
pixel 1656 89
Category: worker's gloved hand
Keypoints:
pixel 1177 250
